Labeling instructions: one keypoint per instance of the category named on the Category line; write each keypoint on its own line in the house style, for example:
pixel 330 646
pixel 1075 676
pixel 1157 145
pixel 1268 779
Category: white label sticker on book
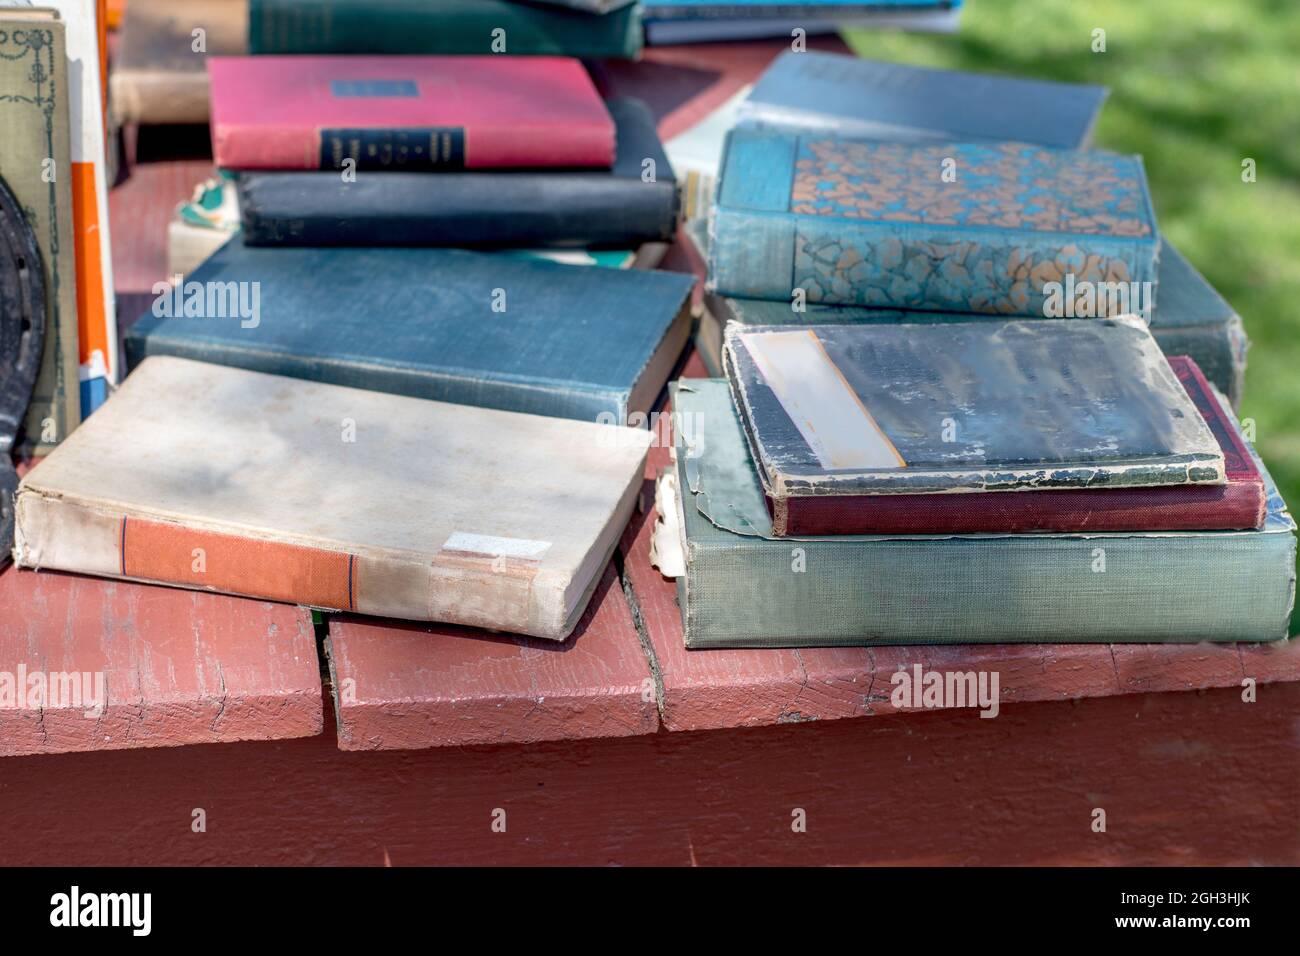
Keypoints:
pixel 497 547
pixel 828 413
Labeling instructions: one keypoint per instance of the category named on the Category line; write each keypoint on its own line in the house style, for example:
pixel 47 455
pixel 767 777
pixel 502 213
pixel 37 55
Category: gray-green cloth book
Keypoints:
pixel 740 587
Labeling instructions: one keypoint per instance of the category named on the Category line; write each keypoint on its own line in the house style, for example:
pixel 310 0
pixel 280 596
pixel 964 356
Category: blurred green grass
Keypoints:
pixel 1196 87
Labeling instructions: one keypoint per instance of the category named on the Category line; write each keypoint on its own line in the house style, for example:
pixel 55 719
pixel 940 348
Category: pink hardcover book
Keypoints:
pixel 406 112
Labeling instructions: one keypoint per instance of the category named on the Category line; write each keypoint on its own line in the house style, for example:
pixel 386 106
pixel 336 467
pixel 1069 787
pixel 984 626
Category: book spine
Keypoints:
pixel 407 148
pixel 1216 587
pixel 235 146
pixel 450 584
pixel 553 400
pixel 1238 505
pixel 36 157
pixel 768 255
pixel 506 209
pixel 440 27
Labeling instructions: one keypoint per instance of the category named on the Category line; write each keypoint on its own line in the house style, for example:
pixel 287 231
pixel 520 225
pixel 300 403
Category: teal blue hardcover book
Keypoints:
pixel 441 26
pixel 741 587
pixel 1003 229
pixel 503 330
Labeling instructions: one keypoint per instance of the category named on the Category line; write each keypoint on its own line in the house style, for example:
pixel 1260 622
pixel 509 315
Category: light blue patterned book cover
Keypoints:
pixel 1004 229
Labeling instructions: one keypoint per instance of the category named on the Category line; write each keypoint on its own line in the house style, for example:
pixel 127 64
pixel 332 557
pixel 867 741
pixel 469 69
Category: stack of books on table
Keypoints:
pixel 392 390
pixel 385 395
pixel 942 415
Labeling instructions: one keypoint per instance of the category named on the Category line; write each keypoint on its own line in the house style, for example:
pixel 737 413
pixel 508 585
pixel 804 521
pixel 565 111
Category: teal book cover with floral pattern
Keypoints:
pixel 1004 229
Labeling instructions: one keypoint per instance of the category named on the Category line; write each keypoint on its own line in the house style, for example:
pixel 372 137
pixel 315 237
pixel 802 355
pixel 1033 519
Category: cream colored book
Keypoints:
pixel 217 478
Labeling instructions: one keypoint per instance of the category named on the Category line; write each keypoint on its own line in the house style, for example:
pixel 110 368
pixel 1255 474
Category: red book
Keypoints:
pixel 406 112
pixel 1239 504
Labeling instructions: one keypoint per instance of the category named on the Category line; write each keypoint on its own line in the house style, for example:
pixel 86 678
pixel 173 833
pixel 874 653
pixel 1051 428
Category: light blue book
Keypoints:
pixel 1002 229
pixel 870 99
pixel 741 587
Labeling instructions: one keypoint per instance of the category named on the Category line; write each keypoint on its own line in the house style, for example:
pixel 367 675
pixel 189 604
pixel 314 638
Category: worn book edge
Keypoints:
pixel 495 584
pixel 1189 468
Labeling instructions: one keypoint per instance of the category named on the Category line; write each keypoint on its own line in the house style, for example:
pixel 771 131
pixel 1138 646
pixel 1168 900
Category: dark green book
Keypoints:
pixel 440 26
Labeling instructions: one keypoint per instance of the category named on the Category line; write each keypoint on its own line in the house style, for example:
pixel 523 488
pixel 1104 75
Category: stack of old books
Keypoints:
pixel 340 409
pixel 943 409
pixel 453 221
pixel 943 416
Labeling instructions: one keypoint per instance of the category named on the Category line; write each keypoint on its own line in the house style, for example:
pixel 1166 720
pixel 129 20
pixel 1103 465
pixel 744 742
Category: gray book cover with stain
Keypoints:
pixel 965 407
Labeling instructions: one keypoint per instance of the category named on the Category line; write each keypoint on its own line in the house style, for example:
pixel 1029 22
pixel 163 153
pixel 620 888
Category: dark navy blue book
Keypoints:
pixel 634 202
pixel 496 331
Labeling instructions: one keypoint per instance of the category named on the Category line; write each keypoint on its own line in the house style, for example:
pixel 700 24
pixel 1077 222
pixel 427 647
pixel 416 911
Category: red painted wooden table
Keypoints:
pixel 235 731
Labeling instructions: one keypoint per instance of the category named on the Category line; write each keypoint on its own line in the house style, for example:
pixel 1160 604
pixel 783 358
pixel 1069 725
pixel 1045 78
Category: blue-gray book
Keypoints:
pixel 1005 229
pixel 743 588
pixel 869 99
pixel 492 330
pixel 1192 318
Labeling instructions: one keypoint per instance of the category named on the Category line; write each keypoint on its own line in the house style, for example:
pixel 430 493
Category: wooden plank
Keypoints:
pixel 1184 779
pixel 400 685
pixel 151 666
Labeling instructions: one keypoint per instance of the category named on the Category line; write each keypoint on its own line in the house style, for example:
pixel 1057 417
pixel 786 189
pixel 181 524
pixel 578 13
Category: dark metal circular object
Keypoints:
pixel 22 336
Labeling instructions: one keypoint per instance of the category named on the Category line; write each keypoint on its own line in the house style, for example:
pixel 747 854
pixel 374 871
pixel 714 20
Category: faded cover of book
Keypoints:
pixel 1239 504
pixel 965 408
pixel 36 162
pixel 1000 228
pixel 355 501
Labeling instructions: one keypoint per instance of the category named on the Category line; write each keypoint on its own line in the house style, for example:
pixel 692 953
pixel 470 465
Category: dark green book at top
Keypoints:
pixel 440 27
